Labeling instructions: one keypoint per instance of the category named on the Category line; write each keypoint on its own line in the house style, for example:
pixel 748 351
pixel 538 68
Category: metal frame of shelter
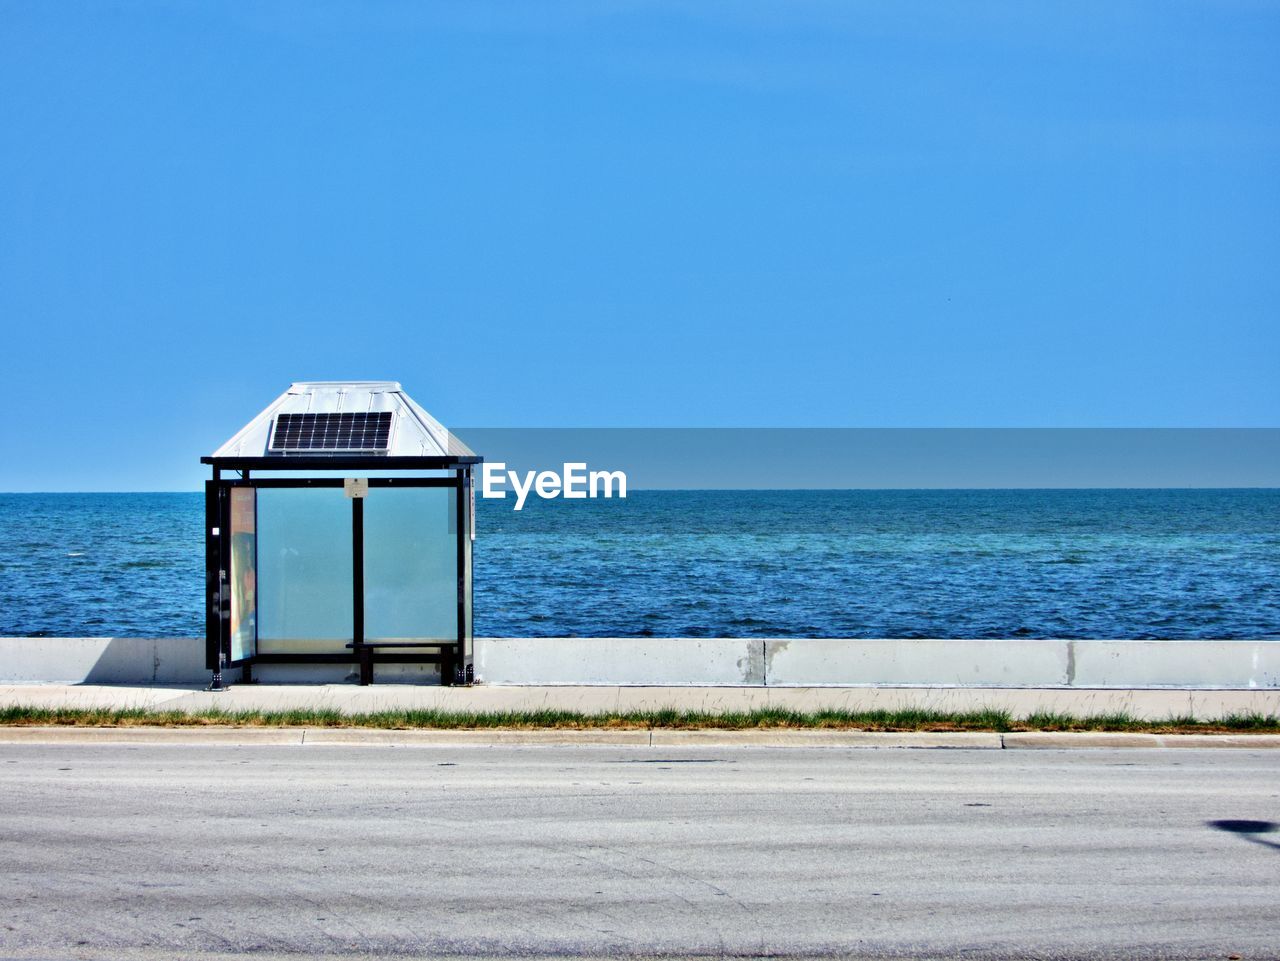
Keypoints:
pixel 453 468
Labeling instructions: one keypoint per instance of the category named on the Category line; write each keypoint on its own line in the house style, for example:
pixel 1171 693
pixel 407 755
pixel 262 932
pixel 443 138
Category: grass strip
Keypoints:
pixel 907 719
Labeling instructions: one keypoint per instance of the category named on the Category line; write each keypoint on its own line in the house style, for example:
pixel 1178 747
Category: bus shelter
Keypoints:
pixel 339 526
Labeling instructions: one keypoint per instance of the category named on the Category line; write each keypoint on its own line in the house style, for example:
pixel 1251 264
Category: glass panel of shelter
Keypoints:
pixel 302 582
pixel 411 565
pixel 244 573
pixel 304 570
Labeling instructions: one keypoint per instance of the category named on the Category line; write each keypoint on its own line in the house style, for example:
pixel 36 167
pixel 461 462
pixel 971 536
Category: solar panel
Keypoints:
pixel 347 433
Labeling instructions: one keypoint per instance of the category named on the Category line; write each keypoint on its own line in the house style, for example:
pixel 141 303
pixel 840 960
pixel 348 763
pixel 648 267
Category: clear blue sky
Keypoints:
pixel 700 214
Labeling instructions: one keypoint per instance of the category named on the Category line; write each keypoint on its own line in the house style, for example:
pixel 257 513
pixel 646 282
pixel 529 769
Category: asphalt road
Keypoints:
pixel 176 850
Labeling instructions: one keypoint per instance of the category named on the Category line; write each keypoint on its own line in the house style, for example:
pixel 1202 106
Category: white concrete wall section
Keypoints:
pixel 647 662
pixel 103 660
pixel 619 660
pixel 817 662
pixel 821 662
pixel 1229 664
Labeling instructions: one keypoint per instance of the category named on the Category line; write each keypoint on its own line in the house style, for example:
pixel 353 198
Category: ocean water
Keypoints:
pixel 950 564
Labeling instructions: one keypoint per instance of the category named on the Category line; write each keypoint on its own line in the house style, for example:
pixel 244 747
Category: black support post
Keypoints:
pixel 451 668
pixel 357 587
pixel 212 566
pixel 217 583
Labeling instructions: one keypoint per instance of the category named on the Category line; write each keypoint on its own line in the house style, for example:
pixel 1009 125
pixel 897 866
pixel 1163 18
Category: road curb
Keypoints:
pixel 353 737
pixel 54 734
pixel 1075 740
pixel 965 740
pixel 630 737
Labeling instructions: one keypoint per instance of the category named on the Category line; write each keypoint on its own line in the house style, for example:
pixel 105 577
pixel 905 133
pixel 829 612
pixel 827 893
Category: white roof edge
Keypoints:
pixel 416 434
pixel 373 386
pixel 232 446
pixel 448 442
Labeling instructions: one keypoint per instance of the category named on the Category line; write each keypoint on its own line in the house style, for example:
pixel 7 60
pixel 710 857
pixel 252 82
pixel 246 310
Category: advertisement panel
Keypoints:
pixel 244 573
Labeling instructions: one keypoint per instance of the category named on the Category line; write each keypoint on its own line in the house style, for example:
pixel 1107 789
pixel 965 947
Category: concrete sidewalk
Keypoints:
pixel 1146 704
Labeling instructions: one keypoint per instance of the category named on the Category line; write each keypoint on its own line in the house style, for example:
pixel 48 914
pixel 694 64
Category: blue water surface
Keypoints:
pixel 949 564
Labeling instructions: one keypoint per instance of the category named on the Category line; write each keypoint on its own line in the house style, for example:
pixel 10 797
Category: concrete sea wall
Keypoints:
pixel 821 662
pixel 102 660
pixel 737 662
